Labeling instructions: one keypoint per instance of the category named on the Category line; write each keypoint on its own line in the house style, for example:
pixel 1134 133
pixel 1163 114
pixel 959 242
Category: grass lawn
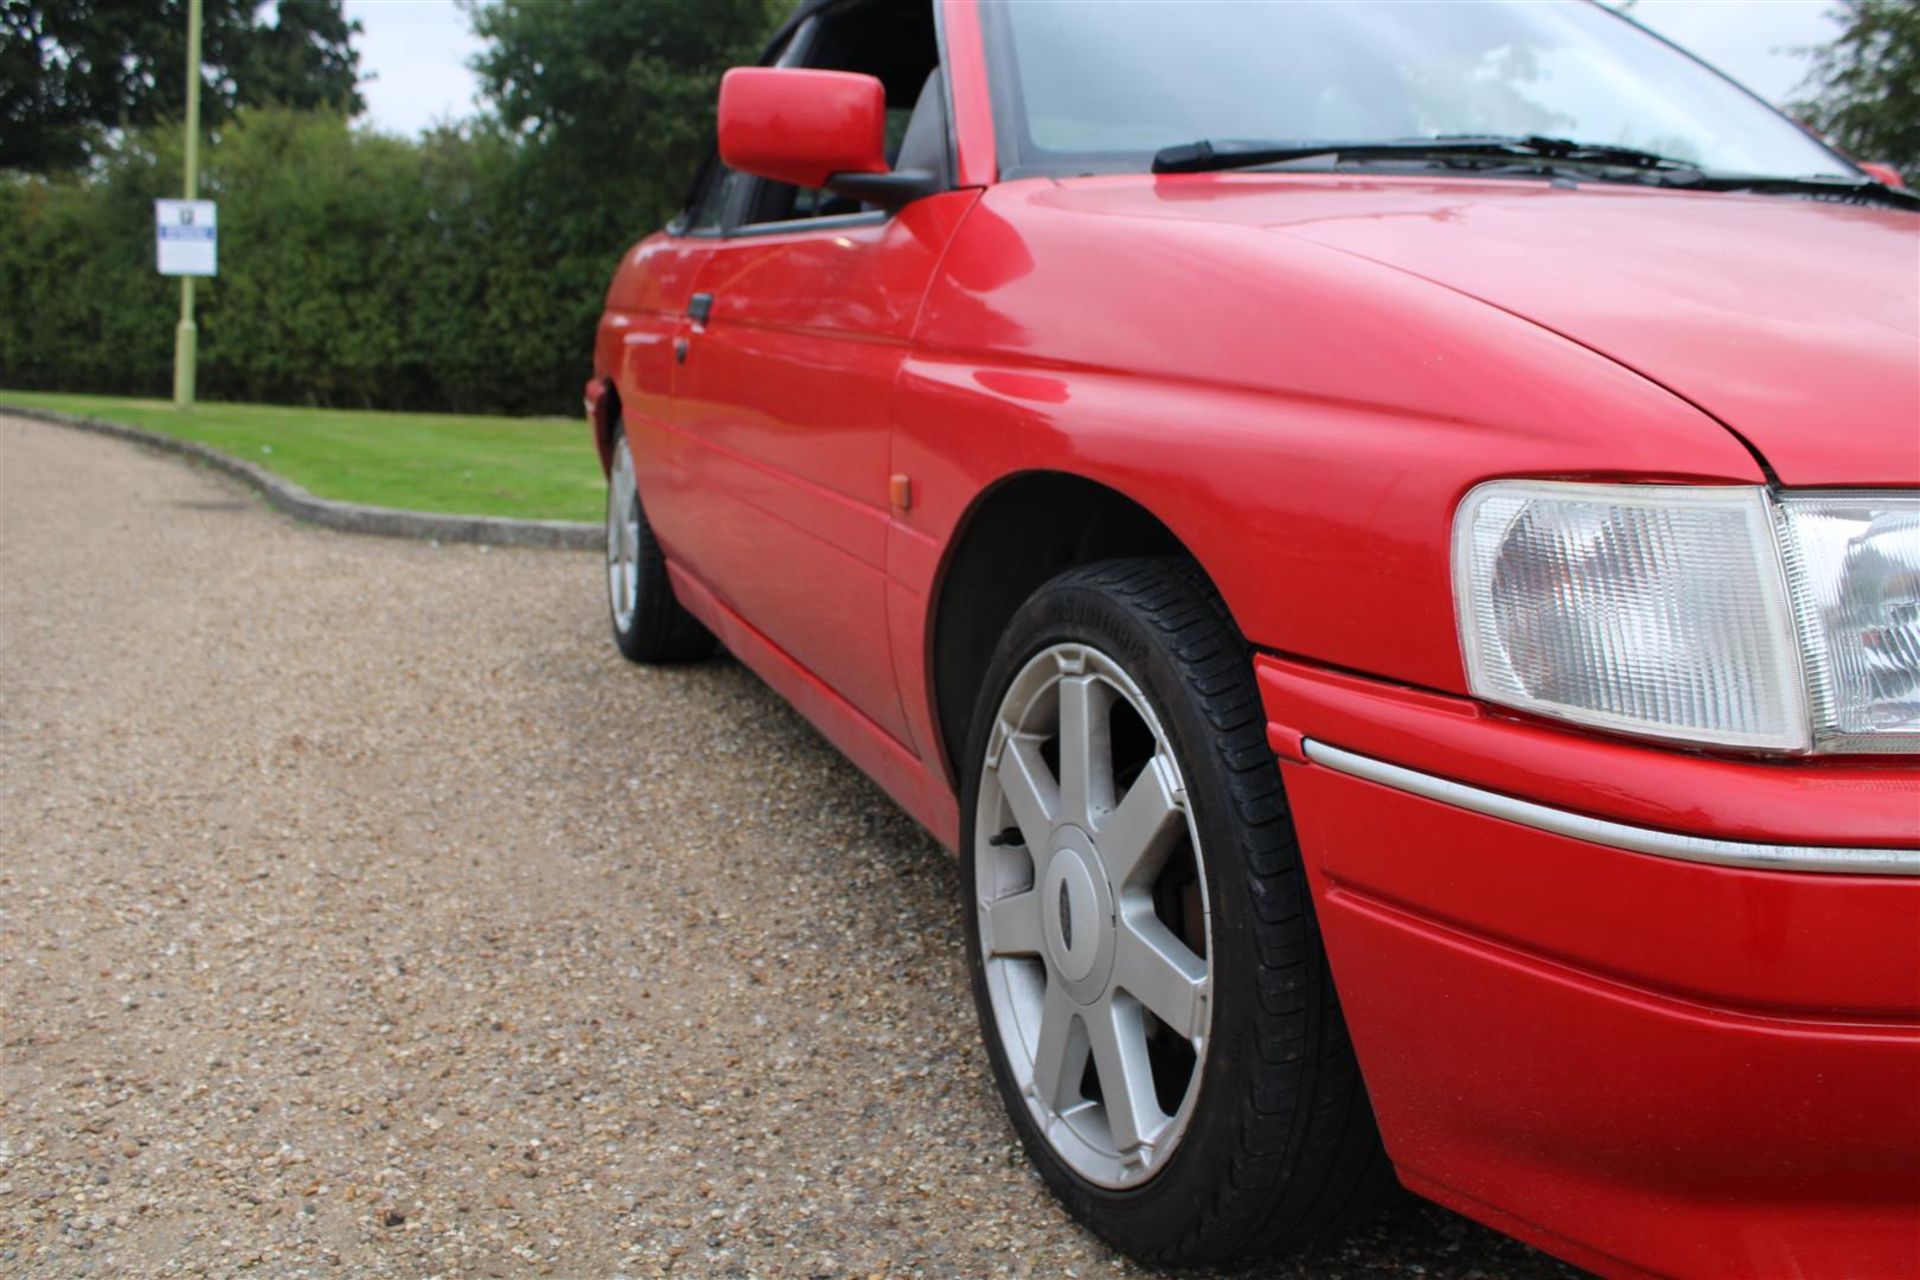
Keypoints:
pixel 538 468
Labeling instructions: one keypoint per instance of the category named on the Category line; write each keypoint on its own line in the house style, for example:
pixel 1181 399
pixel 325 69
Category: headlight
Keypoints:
pixel 1707 615
pixel 1854 561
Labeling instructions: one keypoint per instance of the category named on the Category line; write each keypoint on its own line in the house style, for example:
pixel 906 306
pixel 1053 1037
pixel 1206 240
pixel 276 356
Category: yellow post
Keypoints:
pixel 186 338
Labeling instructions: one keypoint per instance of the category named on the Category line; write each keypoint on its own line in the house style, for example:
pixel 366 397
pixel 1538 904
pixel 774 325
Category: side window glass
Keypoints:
pixel 709 210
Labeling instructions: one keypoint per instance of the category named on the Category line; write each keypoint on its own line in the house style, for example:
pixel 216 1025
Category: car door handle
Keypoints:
pixel 699 307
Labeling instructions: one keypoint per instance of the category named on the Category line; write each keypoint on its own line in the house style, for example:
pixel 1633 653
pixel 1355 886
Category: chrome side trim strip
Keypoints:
pixel 1618 835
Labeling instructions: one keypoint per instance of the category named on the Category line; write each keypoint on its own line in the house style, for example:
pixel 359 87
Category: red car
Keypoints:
pixel 1387 537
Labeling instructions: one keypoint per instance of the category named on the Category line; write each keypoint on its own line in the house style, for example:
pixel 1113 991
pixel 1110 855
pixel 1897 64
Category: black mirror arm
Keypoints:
pixel 892 190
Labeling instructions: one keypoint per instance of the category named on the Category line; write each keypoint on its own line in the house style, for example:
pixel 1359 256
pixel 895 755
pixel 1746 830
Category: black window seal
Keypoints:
pixel 789 226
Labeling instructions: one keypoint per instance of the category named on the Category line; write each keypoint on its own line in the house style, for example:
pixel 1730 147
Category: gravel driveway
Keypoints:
pixel 361 913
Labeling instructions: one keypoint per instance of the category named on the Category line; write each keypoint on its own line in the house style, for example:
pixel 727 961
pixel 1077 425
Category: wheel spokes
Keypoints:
pixel 1086 749
pixel 1162 973
pixel 1010 926
pixel 1059 1051
pixel 1105 1011
pixel 623 537
pixel 1030 790
pixel 1136 837
pixel 1117 1037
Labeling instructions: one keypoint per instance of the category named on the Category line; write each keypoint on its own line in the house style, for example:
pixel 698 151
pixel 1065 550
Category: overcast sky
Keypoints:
pixel 417 50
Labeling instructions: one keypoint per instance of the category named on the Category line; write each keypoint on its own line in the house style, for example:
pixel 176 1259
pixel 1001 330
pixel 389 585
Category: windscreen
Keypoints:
pixel 1099 86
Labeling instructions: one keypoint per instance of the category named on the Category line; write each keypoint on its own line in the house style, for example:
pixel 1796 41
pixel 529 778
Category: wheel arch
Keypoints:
pixel 1018 533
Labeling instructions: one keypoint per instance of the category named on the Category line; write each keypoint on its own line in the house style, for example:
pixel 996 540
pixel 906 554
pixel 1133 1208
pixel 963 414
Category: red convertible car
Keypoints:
pixel 1387 537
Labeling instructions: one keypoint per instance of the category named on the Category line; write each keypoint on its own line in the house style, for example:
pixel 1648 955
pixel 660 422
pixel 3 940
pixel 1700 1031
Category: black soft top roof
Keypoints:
pixel 806 10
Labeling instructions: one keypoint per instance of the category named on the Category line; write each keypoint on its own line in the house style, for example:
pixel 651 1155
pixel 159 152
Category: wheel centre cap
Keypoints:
pixel 1075 912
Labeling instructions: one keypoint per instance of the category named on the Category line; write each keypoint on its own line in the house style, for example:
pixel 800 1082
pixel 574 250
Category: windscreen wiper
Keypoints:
pixel 1543 153
pixel 1850 190
pixel 1602 153
pixel 1206 156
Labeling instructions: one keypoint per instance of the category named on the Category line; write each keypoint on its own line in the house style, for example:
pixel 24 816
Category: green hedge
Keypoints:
pixel 356 270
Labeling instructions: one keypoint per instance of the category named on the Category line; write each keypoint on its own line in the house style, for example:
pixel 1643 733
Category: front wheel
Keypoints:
pixel 1149 977
pixel 649 625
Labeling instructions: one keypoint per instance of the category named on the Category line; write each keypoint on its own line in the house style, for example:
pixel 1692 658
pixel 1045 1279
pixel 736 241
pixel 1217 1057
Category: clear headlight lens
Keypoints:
pixel 1641 608
pixel 1855 562
pixel 1709 615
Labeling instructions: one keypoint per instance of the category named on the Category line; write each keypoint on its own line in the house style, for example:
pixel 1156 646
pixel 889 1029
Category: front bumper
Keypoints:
pixel 1668 1060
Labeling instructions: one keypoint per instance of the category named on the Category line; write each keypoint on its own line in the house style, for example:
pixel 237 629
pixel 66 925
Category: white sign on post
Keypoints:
pixel 186 237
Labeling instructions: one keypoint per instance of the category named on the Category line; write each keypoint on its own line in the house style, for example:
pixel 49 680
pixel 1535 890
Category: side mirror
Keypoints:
pixel 814 129
pixel 1884 174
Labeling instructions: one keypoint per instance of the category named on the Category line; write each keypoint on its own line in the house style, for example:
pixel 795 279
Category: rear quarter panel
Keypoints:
pixel 645 309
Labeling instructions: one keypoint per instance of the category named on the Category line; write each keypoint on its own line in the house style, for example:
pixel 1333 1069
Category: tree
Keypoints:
pixel 73 71
pixel 614 98
pixel 1866 84
pixel 464 271
pixel 356 268
pixel 607 107
pixel 305 60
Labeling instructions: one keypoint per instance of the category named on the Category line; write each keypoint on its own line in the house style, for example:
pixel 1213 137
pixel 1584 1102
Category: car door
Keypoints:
pixel 797 328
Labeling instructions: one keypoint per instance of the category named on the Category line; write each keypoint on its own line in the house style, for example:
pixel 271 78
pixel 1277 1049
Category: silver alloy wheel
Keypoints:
pixel 623 538
pixel 1094 921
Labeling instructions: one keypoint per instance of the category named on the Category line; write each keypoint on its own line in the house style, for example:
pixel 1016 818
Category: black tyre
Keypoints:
pixel 1149 976
pixel 649 625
